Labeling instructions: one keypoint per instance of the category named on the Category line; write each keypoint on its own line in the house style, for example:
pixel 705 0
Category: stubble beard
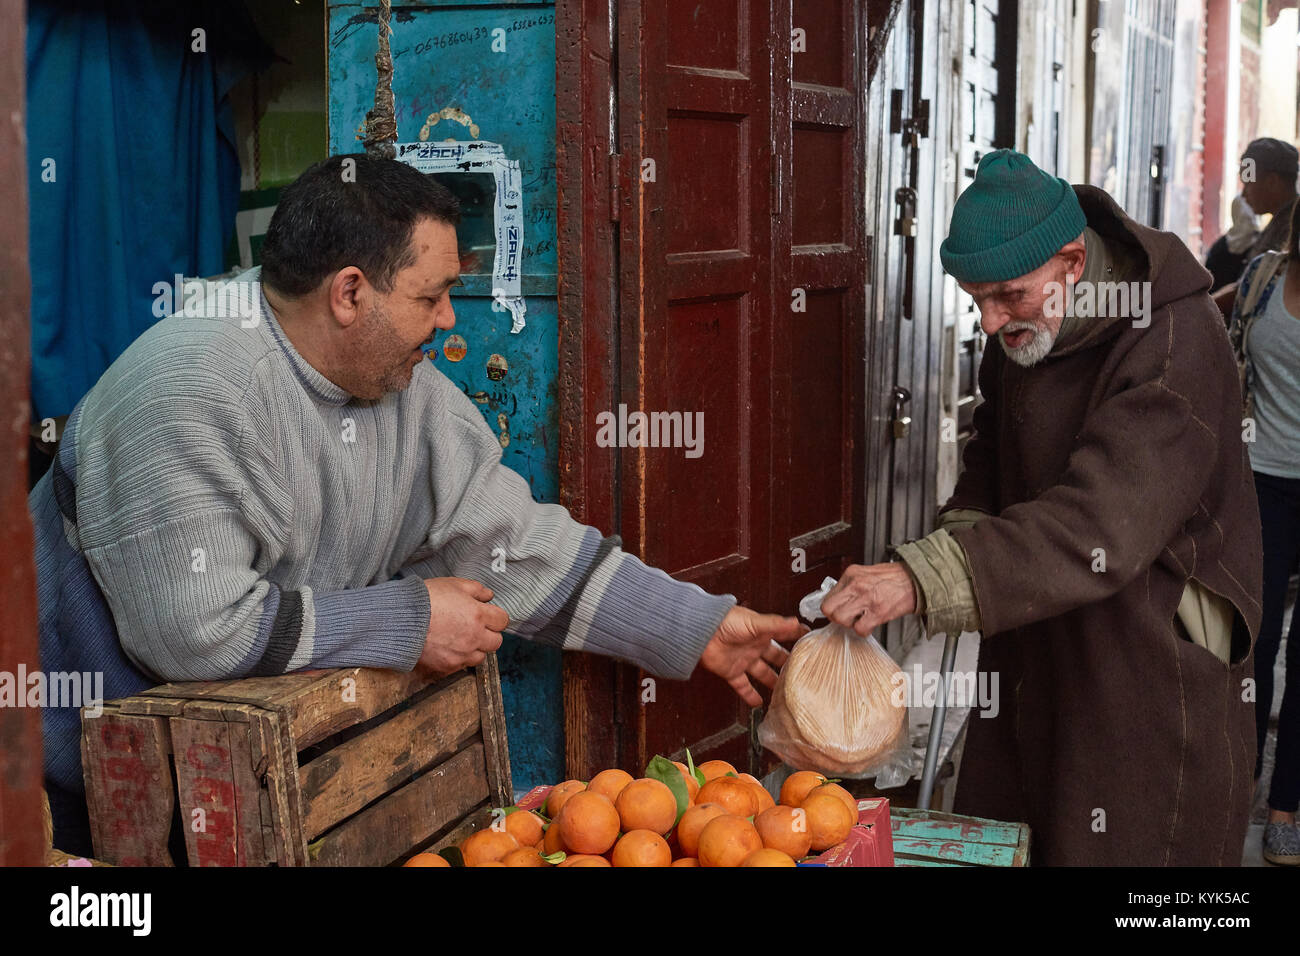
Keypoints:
pixel 375 357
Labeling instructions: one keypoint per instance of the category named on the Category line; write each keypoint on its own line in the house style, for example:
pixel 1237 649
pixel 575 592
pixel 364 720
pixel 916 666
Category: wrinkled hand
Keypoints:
pixel 867 596
pixel 745 647
pixel 463 627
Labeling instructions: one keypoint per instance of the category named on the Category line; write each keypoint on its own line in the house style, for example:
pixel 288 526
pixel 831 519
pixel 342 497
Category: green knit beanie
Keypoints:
pixel 1010 220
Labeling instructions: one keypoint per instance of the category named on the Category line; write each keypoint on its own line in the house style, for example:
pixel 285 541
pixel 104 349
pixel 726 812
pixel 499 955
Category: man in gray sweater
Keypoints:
pixel 274 478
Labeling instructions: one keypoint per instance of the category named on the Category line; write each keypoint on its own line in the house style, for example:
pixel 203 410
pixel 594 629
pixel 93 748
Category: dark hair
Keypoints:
pixel 360 214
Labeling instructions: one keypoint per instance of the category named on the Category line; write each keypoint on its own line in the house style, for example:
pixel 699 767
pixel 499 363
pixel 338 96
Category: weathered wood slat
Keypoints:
pixel 206 791
pixel 344 698
pixel 154 706
pixel 252 808
pixel 129 788
pixel 954 852
pixel 343 780
pixel 268 752
pixel 247 690
pixel 492 714
pixel 1003 834
pixel 388 829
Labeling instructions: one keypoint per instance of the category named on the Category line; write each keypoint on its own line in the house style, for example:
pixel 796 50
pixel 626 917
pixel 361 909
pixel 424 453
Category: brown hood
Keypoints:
pixel 1171 268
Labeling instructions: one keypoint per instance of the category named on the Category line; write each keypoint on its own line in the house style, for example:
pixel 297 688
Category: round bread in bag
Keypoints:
pixel 839 691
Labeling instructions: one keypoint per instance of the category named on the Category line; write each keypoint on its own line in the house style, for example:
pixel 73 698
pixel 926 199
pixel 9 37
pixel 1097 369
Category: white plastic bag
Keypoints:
pixel 839 706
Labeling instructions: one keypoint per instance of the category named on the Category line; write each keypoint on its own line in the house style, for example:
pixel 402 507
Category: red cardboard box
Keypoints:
pixel 870 843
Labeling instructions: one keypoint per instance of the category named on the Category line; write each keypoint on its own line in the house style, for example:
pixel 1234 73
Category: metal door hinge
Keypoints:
pixel 905 206
pixel 902 423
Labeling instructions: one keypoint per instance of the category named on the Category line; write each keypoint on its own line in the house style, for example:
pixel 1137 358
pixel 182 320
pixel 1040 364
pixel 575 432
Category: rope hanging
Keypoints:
pixel 381 122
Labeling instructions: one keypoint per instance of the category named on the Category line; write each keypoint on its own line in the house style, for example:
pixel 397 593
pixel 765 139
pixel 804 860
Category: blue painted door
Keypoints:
pixel 471 71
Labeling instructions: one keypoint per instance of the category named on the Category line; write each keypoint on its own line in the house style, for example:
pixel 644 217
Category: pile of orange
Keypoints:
pixel 715 817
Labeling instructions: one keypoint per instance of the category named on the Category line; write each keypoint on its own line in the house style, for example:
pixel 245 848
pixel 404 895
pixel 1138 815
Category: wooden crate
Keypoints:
pixel 931 838
pixel 348 767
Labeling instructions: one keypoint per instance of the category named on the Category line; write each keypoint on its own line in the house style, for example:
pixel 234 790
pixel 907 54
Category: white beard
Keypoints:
pixel 1033 351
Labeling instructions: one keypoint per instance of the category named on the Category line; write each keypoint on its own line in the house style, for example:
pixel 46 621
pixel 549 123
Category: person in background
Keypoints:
pixel 1268 173
pixel 1266 333
pixel 1227 257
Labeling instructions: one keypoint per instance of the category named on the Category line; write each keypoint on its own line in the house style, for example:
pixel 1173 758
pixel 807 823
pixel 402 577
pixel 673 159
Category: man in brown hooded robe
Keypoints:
pixel 1104 535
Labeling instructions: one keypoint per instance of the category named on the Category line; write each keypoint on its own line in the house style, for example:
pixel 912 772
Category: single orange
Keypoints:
pixel 610 783
pixel 553 842
pixel 692 822
pixel 848 799
pixel 524 856
pixel 590 823
pixel 584 859
pixel 559 794
pixel 714 768
pixel 767 857
pixel 642 848
pixel 647 804
pixel 487 846
pixel 727 840
pixel 829 820
pixel 797 786
pixel 686 861
pixel 786 829
pixel 525 826
pixel 426 859
pixel 732 794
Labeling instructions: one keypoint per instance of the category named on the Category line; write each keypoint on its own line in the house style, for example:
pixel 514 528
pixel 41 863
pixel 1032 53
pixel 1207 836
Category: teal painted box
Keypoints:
pixel 931 838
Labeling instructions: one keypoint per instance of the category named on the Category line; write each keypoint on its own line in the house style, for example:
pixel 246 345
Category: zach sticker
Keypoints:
pixel 478 156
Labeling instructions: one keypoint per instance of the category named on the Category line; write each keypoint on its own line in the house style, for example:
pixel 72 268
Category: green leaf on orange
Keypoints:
pixel 695 771
pixel 666 772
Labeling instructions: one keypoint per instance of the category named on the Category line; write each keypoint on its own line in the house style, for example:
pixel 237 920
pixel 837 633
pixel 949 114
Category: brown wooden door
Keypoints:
pixel 694 120
pixel 820 297
pixel 723 207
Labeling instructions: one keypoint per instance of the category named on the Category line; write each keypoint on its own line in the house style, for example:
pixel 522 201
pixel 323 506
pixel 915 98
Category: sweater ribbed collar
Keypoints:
pixel 320 388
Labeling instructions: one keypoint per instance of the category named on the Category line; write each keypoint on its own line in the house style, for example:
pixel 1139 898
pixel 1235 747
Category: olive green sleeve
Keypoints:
pixel 960 518
pixel 945 596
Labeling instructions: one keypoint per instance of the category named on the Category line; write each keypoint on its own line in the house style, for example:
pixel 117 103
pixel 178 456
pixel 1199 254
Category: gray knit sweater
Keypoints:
pixel 242 515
